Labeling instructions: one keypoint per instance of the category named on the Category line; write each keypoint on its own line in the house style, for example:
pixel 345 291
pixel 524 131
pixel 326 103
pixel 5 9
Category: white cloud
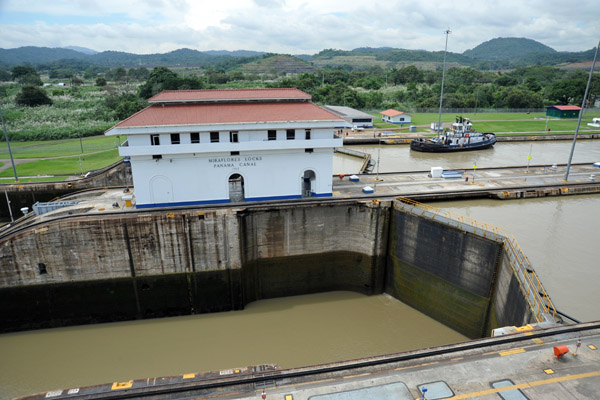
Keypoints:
pixel 296 26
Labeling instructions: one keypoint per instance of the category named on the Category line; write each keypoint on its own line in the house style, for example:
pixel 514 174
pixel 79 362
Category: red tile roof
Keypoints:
pixel 228 94
pixel 199 114
pixel 567 108
pixel 391 112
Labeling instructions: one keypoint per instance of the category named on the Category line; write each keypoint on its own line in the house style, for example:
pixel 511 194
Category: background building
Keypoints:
pixel 213 146
pixel 563 111
pixel 354 118
pixel 395 117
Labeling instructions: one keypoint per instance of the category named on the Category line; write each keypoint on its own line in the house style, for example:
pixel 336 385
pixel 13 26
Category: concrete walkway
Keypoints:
pixel 498 179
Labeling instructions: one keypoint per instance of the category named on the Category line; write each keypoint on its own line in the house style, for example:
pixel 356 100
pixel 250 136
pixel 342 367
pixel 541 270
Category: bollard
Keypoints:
pixel 423 391
pixel 577 348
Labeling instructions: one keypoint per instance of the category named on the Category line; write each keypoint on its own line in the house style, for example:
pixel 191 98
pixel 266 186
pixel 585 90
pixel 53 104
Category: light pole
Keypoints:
pixel 581 113
pixel 8 144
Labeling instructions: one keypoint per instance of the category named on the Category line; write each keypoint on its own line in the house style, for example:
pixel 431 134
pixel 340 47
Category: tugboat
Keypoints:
pixel 461 137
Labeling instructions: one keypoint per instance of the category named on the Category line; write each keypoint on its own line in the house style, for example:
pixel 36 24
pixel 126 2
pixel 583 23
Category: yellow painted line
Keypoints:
pixel 537 341
pixel 549 371
pixel 527 385
pixel 591 346
pixel 289 397
pixel 511 352
pixel 189 376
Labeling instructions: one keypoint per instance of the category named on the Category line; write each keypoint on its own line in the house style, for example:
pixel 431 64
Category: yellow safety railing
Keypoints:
pixel 532 288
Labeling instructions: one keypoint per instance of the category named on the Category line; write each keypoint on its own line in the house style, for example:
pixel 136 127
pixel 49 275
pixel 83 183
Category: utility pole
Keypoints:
pixel 8 144
pixel 587 88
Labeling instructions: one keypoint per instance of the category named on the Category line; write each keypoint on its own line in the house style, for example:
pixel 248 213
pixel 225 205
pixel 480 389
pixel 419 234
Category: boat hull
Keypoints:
pixel 427 146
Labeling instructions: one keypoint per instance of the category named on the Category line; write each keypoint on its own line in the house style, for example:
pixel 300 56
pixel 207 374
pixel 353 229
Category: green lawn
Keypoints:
pixel 66 165
pixel 58 148
pixel 502 123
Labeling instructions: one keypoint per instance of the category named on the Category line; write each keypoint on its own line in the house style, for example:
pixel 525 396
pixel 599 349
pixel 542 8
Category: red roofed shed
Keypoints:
pixel 563 111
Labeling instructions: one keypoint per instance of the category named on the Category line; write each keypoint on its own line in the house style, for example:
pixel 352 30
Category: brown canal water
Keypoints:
pixel 399 158
pixel 290 332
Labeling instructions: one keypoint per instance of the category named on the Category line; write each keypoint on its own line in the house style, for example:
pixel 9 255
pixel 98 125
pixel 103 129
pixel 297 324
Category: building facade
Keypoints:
pixel 395 117
pixel 563 111
pixel 194 147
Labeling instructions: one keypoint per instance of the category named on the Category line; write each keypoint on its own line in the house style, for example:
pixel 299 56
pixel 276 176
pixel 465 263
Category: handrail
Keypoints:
pixel 531 286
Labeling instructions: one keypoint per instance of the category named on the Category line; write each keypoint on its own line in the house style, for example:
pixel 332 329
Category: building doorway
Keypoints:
pixel 308 179
pixel 161 190
pixel 236 188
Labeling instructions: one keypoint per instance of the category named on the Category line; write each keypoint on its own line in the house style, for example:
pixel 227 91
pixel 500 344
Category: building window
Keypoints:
pixel 308 150
pixel 42 268
pixel 307 134
pixel 290 134
pixel 214 137
pixel 175 139
pixel 272 135
pixel 234 153
pixel 233 136
pixel 195 137
pixel 402 119
pixel 155 140
pixel 156 157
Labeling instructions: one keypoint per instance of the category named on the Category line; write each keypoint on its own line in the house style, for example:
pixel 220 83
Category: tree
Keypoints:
pixel 155 82
pixel 100 82
pixel 506 80
pixel 567 91
pixel 26 76
pixel 33 96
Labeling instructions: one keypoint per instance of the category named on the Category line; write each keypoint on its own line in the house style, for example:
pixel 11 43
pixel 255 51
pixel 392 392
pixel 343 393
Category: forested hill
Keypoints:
pixel 45 55
pixel 495 54
pixel 504 48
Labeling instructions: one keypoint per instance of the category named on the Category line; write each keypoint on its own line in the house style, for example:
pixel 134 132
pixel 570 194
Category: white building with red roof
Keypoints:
pixel 395 117
pixel 193 147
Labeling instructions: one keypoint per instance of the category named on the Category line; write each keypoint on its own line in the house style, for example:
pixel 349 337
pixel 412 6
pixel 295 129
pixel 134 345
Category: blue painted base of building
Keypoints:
pixel 223 201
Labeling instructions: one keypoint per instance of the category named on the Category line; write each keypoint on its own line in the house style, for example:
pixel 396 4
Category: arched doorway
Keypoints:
pixel 236 188
pixel 308 179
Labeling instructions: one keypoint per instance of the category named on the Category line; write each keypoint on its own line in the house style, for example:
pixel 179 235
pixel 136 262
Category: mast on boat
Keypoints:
pixel 439 126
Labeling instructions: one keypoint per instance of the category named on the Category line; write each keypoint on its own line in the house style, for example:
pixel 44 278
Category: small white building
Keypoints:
pixel 193 147
pixel 395 117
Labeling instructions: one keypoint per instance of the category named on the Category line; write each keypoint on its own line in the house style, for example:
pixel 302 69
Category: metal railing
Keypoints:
pixel 537 297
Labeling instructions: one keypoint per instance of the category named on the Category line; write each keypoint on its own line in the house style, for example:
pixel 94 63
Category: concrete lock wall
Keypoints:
pixel 442 271
pixel 81 269
pixel 140 265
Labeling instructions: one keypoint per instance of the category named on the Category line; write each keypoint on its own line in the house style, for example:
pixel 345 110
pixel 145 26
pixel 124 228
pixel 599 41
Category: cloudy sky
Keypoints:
pixel 294 26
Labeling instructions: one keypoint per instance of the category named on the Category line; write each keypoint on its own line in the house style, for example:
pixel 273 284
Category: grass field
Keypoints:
pixel 502 123
pixel 58 148
pixel 65 165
